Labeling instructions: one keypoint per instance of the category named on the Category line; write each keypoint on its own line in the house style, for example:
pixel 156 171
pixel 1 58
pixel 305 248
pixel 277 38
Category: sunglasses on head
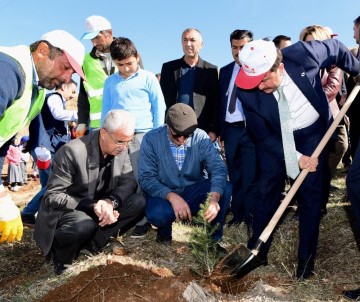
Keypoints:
pixel 174 135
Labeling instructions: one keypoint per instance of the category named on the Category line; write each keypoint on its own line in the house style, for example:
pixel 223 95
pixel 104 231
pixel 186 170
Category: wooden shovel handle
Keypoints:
pixel 285 202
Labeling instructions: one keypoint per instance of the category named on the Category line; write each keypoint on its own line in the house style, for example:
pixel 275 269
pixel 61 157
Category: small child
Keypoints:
pixel 14 171
pixel 25 158
pixel 137 91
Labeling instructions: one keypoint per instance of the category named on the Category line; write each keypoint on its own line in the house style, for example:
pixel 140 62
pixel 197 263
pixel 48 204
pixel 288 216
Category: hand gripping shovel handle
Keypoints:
pixel 285 202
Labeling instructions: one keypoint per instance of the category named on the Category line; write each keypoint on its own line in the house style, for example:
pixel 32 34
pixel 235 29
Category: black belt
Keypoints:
pixel 236 124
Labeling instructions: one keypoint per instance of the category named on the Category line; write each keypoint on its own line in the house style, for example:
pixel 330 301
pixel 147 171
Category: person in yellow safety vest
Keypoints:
pixel 25 74
pixel 97 66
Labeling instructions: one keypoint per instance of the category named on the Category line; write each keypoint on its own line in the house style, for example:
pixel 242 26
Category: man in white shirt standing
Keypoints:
pixel 239 147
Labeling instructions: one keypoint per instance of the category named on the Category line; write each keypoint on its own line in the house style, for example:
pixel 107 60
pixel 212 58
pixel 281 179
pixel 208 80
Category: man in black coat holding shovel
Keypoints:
pixel 284 88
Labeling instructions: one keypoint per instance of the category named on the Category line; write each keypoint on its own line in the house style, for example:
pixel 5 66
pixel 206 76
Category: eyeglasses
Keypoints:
pixel 174 135
pixel 120 143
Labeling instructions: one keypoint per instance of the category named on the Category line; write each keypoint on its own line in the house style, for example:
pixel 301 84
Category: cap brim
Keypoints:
pixel 89 36
pixel 75 65
pixel 245 81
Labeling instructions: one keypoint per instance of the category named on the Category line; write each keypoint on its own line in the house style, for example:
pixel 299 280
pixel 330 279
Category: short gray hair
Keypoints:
pixel 118 119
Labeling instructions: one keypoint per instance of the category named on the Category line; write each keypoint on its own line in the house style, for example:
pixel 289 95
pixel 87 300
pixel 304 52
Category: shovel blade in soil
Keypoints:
pixel 241 262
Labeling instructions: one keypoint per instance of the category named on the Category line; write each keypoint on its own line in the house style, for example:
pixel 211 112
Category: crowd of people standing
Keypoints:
pixel 145 149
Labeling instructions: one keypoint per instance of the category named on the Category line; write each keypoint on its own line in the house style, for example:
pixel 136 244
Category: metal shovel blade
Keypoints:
pixel 241 262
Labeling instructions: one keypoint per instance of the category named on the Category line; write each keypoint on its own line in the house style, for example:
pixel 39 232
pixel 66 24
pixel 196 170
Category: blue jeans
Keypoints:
pixel 33 206
pixel 2 160
pixel 160 213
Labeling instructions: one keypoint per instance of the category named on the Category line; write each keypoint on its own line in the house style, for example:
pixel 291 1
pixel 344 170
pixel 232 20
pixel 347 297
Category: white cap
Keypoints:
pixel 256 59
pixel 93 26
pixel 72 47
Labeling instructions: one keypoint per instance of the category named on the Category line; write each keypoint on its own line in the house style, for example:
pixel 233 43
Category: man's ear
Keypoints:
pixel 281 68
pixel 43 50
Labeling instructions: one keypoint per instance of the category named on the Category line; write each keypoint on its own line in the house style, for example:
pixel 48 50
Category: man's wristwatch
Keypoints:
pixel 114 201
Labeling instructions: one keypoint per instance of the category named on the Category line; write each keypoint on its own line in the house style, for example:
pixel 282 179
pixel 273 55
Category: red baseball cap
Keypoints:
pixel 256 59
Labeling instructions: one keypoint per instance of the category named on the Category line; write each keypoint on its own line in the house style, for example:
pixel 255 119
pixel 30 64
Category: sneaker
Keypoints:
pixel 140 231
pixel 28 220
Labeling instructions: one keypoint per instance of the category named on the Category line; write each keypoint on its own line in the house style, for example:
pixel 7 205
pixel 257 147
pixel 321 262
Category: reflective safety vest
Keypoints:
pixel 94 84
pixel 22 110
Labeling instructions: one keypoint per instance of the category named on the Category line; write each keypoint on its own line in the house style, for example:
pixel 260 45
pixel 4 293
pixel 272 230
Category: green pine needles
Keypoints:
pixel 202 247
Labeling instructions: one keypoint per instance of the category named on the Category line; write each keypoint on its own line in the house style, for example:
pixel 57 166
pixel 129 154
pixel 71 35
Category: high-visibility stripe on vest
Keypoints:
pixel 21 111
pixel 94 84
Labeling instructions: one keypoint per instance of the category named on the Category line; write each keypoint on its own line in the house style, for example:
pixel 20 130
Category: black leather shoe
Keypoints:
pixel 163 241
pixel 305 271
pixel 304 274
pixel 91 249
pixel 352 294
pixel 59 268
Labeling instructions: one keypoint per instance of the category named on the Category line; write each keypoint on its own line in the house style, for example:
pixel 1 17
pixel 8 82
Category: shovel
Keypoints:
pixel 240 261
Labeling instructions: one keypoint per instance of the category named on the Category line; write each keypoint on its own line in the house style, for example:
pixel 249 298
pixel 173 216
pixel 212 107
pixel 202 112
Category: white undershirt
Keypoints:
pixel 302 113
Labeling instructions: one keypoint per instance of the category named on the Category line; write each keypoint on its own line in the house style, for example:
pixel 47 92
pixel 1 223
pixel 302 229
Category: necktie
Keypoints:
pixel 291 163
pixel 233 98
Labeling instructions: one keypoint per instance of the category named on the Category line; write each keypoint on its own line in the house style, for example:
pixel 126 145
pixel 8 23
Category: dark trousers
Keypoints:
pixel 272 175
pixel 241 163
pixel 160 213
pixel 353 189
pixel 76 228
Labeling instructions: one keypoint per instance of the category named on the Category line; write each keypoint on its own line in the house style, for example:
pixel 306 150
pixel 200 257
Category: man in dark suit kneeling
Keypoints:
pixel 90 195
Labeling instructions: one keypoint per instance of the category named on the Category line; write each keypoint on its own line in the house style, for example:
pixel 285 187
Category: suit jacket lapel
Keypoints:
pixel 228 75
pixel 269 108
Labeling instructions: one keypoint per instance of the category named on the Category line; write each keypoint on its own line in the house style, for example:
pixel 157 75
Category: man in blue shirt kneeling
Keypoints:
pixel 171 174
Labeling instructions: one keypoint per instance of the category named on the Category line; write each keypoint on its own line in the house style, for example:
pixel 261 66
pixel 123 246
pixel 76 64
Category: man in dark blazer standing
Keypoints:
pixel 90 195
pixel 266 75
pixel 239 147
pixel 193 81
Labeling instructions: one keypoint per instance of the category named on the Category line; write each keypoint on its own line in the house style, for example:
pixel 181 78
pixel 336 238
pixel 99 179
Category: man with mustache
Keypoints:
pixel 25 74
